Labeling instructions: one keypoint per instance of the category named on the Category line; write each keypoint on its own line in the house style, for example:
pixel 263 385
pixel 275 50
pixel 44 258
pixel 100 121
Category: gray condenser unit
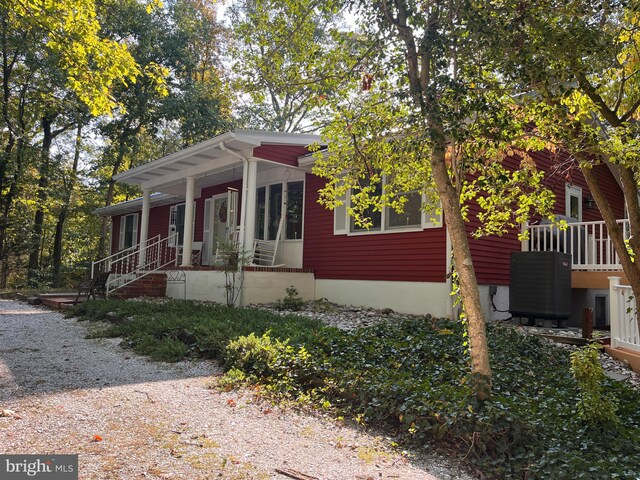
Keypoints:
pixel 540 285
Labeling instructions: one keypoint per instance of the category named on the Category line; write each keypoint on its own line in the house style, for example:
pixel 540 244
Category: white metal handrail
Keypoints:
pixel 104 264
pixel 588 243
pixel 622 312
pixel 156 255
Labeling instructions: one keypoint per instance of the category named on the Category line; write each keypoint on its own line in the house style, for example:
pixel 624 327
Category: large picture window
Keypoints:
pixel 271 201
pixel 295 202
pixel 374 215
pixel 413 217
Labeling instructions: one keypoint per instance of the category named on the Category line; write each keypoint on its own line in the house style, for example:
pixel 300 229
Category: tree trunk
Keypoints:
pixel 469 292
pixel 630 266
pixel 43 194
pixel 64 211
pixel 7 204
pixel 126 134
pixel 422 94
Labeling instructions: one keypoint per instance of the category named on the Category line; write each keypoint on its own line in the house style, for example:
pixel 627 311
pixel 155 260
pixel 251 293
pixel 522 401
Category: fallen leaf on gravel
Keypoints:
pixel 267 411
pixel 231 402
pixel 96 438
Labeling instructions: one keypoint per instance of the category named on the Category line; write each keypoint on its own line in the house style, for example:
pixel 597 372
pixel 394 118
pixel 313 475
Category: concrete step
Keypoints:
pixel 630 357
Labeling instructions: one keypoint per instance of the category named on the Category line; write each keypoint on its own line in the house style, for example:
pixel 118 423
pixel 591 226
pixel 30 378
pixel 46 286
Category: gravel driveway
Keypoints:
pixel 129 418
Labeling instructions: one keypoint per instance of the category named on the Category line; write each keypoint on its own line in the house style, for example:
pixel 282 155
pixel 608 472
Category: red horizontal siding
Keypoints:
pixel 115 233
pixel 409 256
pixel 285 154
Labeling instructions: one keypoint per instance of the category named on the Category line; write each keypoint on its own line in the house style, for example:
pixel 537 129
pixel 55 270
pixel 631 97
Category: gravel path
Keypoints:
pixel 129 418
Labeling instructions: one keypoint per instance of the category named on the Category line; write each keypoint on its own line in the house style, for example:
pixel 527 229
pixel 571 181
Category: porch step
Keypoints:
pixel 625 355
pixel 151 285
pixel 58 302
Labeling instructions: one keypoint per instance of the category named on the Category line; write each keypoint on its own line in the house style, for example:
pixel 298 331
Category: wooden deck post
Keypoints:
pixel 587 322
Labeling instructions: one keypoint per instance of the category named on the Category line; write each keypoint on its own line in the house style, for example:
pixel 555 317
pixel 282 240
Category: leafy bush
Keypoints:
pixel 596 406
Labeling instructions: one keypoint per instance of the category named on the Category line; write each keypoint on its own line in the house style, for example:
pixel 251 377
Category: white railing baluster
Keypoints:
pixel 588 242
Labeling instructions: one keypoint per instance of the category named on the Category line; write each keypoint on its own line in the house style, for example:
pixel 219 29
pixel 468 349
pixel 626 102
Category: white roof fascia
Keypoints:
pixel 174 157
pixel 252 138
pixel 264 137
pixel 134 205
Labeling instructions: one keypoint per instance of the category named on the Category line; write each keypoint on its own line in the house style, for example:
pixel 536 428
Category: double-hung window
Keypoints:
pixel 128 231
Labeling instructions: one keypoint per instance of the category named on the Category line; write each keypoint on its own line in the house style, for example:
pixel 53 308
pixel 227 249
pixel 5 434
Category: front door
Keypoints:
pixel 220 223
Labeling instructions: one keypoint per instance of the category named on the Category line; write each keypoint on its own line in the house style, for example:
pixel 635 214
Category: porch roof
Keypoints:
pixel 135 205
pixel 215 156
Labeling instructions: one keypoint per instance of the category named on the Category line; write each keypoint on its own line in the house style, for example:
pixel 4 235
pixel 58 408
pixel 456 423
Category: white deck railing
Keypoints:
pixel 622 312
pixel 588 243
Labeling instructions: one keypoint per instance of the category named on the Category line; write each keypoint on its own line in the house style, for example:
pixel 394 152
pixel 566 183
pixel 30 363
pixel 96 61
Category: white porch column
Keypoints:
pixel 249 202
pixel 144 226
pixel 524 243
pixel 614 309
pixel 188 222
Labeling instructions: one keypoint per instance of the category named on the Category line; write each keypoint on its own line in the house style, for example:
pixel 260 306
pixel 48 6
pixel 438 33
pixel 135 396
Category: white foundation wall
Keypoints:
pixel 266 287
pixel 258 287
pixel 403 297
pixel 500 300
pixel 207 285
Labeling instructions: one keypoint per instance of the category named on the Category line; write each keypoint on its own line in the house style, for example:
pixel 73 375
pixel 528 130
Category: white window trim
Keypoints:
pixel 123 223
pixel 425 223
pixel 572 191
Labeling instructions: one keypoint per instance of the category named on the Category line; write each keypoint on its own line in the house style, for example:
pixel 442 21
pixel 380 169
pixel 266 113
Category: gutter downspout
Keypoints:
pixel 245 174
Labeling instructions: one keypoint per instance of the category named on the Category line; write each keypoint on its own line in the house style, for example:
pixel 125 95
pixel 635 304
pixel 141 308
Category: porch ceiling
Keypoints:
pixel 217 157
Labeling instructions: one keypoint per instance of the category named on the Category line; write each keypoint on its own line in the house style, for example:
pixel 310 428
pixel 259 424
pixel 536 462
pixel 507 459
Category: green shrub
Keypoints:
pixel 595 407
pixel 292 301
pixel 272 362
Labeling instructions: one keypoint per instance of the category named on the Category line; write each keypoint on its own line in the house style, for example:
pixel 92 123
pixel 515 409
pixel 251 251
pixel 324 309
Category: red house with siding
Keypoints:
pixel 256 188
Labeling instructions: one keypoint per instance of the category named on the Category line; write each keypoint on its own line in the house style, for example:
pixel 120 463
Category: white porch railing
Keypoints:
pixel 104 264
pixel 588 243
pixel 622 312
pixel 134 263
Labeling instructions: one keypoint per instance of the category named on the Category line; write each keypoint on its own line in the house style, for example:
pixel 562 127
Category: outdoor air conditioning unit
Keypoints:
pixel 540 285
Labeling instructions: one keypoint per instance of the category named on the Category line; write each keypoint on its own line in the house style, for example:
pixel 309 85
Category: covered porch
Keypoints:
pixel 242 188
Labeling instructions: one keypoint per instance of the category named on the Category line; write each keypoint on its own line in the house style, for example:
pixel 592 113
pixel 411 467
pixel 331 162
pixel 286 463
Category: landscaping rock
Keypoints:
pixel 34 301
pixel 113 317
